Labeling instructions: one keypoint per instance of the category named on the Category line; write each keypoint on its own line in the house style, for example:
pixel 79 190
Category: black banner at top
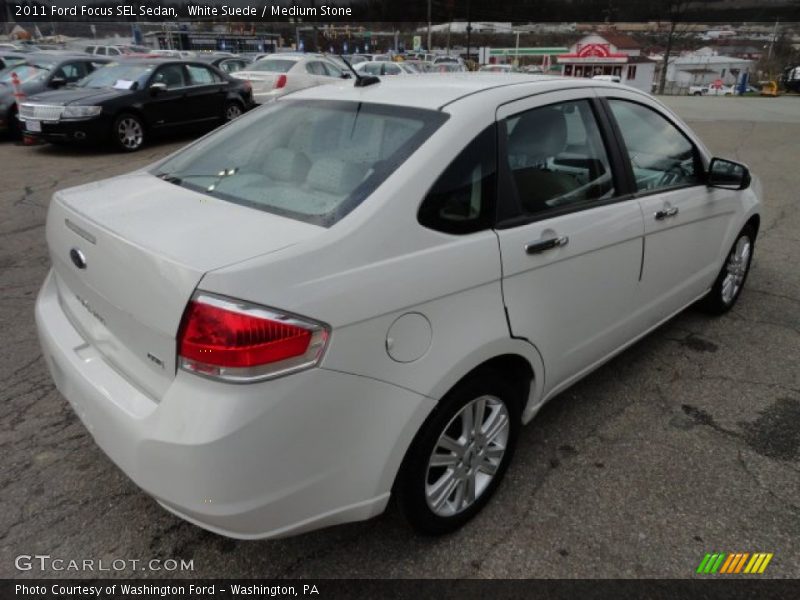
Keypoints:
pixel 331 11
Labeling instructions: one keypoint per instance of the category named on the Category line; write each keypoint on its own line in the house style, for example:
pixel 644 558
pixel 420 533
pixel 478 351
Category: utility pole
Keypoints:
pixel 469 29
pixel 772 40
pixel 428 47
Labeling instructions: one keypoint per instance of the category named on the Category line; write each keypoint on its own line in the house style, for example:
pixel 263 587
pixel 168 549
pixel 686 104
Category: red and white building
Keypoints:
pixel 609 54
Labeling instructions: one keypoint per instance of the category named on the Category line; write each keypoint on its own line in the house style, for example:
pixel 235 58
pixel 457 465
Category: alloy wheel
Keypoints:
pixel 736 269
pixel 130 133
pixel 467 455
pixel 232 111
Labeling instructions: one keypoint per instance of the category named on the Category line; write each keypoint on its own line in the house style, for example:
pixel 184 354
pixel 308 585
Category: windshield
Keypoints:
pixel 310 160
pixel 118 76
pixel 26 73
pixel 274 65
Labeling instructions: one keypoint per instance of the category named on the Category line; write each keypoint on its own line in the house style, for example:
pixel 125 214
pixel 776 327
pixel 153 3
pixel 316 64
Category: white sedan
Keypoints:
pixel 279 74
pixel 363 292
pixel 386 67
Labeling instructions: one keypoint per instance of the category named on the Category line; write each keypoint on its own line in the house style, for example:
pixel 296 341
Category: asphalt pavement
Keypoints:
pixel 687 443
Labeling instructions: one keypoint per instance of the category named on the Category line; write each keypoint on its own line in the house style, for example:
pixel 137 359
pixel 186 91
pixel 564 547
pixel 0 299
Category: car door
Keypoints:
pixel 205 94
pixel 685 221
pixel 570 239
pixel 166 107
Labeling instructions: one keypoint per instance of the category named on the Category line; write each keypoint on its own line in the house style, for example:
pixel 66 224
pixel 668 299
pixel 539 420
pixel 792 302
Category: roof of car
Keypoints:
pixel 437 91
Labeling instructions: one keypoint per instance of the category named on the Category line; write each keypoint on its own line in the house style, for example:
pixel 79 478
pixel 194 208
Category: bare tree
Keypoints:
pixel 675 10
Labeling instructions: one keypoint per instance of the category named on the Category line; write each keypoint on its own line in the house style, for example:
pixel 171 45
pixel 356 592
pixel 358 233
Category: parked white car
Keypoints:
pixel 363 292
pixel 711 90
pixel 385 67
pixel 279 74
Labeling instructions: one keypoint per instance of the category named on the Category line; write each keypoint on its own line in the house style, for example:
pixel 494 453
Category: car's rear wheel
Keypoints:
pixel 460 454
pixel 233 110
pixel 730 281
pixel 128 133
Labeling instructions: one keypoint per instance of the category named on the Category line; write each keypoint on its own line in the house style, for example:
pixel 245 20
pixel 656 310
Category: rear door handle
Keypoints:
pixel 666 213
pixel 541 246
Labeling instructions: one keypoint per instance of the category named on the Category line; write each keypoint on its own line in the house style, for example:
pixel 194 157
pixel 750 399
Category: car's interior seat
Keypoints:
pixel 538 137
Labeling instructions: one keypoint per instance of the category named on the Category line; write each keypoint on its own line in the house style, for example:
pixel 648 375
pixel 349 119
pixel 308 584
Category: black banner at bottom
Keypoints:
pixel 413 589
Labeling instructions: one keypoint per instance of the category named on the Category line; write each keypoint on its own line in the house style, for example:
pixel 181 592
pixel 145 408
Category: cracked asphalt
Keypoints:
pixel 687 443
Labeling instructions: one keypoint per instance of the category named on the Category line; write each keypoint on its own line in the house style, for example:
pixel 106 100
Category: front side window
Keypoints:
pixel 171 75
pixel 463 198
pixel 661 156
pixel 557 158
pixel 309 160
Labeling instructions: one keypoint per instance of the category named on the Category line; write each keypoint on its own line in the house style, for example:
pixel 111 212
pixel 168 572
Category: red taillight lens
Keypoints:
pixel 281 81
pixel 235 341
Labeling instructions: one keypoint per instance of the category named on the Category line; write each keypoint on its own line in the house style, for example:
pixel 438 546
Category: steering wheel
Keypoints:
pixel 675 174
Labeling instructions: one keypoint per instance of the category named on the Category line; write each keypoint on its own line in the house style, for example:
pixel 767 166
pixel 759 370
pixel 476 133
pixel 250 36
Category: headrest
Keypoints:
pixel 538 135
pixel 334 176
pixel 300 140
pixel 282 164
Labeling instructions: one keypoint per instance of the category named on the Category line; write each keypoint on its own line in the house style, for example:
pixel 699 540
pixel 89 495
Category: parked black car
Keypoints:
pixel 132 99
pixel 42 71
pixel 226 64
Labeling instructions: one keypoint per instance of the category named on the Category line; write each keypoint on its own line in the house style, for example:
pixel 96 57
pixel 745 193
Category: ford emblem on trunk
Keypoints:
pixel 78 258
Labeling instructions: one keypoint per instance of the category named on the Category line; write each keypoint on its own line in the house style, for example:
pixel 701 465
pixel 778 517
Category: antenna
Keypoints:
pixel 361 80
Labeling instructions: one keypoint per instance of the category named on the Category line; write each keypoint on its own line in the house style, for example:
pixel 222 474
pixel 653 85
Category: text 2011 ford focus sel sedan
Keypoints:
pixel 359 293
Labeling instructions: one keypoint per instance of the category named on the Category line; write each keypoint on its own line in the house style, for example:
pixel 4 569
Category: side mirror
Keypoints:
pixel 58 82
pixel 157 88
pixel 727 174
pixel 346 76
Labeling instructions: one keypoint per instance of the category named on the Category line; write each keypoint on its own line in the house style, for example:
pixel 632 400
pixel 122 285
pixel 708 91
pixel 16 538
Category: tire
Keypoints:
pixel 233 110
pixel 434 498
pixel 14 128
pixel 731 279
pixel 128 132
pixel 697 94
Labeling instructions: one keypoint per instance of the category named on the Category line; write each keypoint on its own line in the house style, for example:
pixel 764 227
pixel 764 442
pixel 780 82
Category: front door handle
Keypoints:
pixel 541 246
pixel 666 213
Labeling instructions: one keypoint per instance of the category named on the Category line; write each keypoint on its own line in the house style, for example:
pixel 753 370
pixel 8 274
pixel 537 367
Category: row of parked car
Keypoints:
pixel 129 96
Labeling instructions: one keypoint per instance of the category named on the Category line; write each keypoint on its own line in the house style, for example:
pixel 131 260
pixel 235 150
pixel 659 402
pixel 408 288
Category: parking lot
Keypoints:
pixel 687 443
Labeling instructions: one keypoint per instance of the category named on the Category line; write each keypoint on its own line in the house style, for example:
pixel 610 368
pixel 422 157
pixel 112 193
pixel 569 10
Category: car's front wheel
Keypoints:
pixel 128 133
pixel 460 454
pixel 730 281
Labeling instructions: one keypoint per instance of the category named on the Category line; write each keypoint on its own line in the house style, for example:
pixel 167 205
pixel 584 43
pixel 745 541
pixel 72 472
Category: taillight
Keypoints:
pixel 281 81
pixel 235 341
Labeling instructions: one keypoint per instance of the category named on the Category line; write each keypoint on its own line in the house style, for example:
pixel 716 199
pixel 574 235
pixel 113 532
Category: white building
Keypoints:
pixel 705 66
pixel 609 53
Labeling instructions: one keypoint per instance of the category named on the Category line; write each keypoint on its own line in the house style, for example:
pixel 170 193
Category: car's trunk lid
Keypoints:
pixel 146 244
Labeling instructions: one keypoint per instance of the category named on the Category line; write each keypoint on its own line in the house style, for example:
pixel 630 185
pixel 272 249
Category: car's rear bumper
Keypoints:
pixel 275 458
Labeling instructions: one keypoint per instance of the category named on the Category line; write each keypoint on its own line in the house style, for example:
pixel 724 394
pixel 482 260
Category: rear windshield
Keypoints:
pixel 273 65
pixel 309 160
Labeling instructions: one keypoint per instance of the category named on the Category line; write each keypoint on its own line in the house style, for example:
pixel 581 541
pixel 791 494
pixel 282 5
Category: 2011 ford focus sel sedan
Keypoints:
pixel 362 292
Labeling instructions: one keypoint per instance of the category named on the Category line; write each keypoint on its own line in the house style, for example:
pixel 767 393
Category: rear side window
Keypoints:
pixel 661 156
pixel 200 75
pixel 557 157
pixel 463 198
pixel 310 160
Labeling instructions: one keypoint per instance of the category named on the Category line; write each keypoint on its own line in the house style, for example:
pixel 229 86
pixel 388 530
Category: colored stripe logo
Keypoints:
pixel 734 563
